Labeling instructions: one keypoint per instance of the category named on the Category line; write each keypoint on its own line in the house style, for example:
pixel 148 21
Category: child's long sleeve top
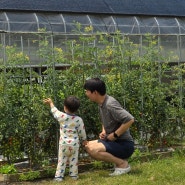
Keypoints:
pixel 72 128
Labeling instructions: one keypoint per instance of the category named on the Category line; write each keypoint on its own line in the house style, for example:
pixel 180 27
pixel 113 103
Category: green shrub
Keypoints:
pixel 8 169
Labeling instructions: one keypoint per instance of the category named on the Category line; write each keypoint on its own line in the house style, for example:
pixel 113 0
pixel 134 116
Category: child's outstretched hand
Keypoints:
pixel 48 101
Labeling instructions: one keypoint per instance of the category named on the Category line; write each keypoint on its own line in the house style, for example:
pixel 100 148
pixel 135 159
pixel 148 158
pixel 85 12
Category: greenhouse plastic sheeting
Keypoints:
pixel 67 23
pixel 126 7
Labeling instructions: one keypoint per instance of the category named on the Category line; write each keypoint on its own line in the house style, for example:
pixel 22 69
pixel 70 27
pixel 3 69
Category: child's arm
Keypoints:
pixel 58 115
pixel 82 132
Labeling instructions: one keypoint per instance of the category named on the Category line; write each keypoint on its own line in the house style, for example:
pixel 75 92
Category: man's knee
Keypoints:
pixel 89 149
pixel 95 147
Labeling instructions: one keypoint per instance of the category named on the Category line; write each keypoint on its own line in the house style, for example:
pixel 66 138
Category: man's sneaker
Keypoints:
pixel 120 171
pixel 58 179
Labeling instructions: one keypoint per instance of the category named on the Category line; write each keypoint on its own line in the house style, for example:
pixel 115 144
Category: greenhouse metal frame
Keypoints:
pixel 21 28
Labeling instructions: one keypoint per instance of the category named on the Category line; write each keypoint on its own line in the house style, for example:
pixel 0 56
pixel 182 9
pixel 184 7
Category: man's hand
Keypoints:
pixel 84 143
pixel 111 137
pixel 102 135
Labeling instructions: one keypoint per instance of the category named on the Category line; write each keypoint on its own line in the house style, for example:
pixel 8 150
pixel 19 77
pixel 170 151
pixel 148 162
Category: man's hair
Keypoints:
pixel 72 103
pixel 95 84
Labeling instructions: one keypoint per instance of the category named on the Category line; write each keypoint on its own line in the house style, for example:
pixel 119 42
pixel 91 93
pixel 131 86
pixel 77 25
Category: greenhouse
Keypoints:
pixel 49 48
pixel 20 21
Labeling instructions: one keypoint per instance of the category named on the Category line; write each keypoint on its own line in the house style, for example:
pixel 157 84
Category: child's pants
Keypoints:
pixel 67 153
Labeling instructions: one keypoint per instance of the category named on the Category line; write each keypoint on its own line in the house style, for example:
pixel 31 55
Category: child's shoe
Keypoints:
pixel 58 179
pixel 74 177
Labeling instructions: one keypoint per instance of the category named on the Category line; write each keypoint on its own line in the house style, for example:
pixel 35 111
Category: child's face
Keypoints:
pixel 65 109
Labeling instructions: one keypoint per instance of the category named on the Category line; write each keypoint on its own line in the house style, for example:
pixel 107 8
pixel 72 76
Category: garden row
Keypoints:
pixel 140 77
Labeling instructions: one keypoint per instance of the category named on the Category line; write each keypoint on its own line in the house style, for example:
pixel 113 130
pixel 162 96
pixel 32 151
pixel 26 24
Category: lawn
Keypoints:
pixel 164 171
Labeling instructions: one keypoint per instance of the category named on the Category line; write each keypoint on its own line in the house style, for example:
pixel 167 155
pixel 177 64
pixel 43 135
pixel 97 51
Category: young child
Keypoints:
pixel 71 132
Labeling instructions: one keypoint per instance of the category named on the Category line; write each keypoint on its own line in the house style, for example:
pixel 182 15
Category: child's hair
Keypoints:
pixel 95 84
pixel 72 103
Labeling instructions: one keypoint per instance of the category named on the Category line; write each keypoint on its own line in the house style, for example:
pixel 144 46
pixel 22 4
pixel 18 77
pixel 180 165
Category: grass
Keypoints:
pixel 164 171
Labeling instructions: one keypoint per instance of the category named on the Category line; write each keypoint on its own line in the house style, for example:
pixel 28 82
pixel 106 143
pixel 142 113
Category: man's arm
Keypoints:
pixel 123 128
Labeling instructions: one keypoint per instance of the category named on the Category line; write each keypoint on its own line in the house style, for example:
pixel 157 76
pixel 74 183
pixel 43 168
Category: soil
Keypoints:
pixel 23 167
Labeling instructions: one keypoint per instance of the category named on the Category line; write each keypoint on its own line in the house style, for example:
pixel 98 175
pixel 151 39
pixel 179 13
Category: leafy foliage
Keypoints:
pixel 8 169
pixel 140 77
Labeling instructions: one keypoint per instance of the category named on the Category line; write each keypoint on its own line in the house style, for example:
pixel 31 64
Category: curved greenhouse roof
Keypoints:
pixel 126 7
pixel 107 16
